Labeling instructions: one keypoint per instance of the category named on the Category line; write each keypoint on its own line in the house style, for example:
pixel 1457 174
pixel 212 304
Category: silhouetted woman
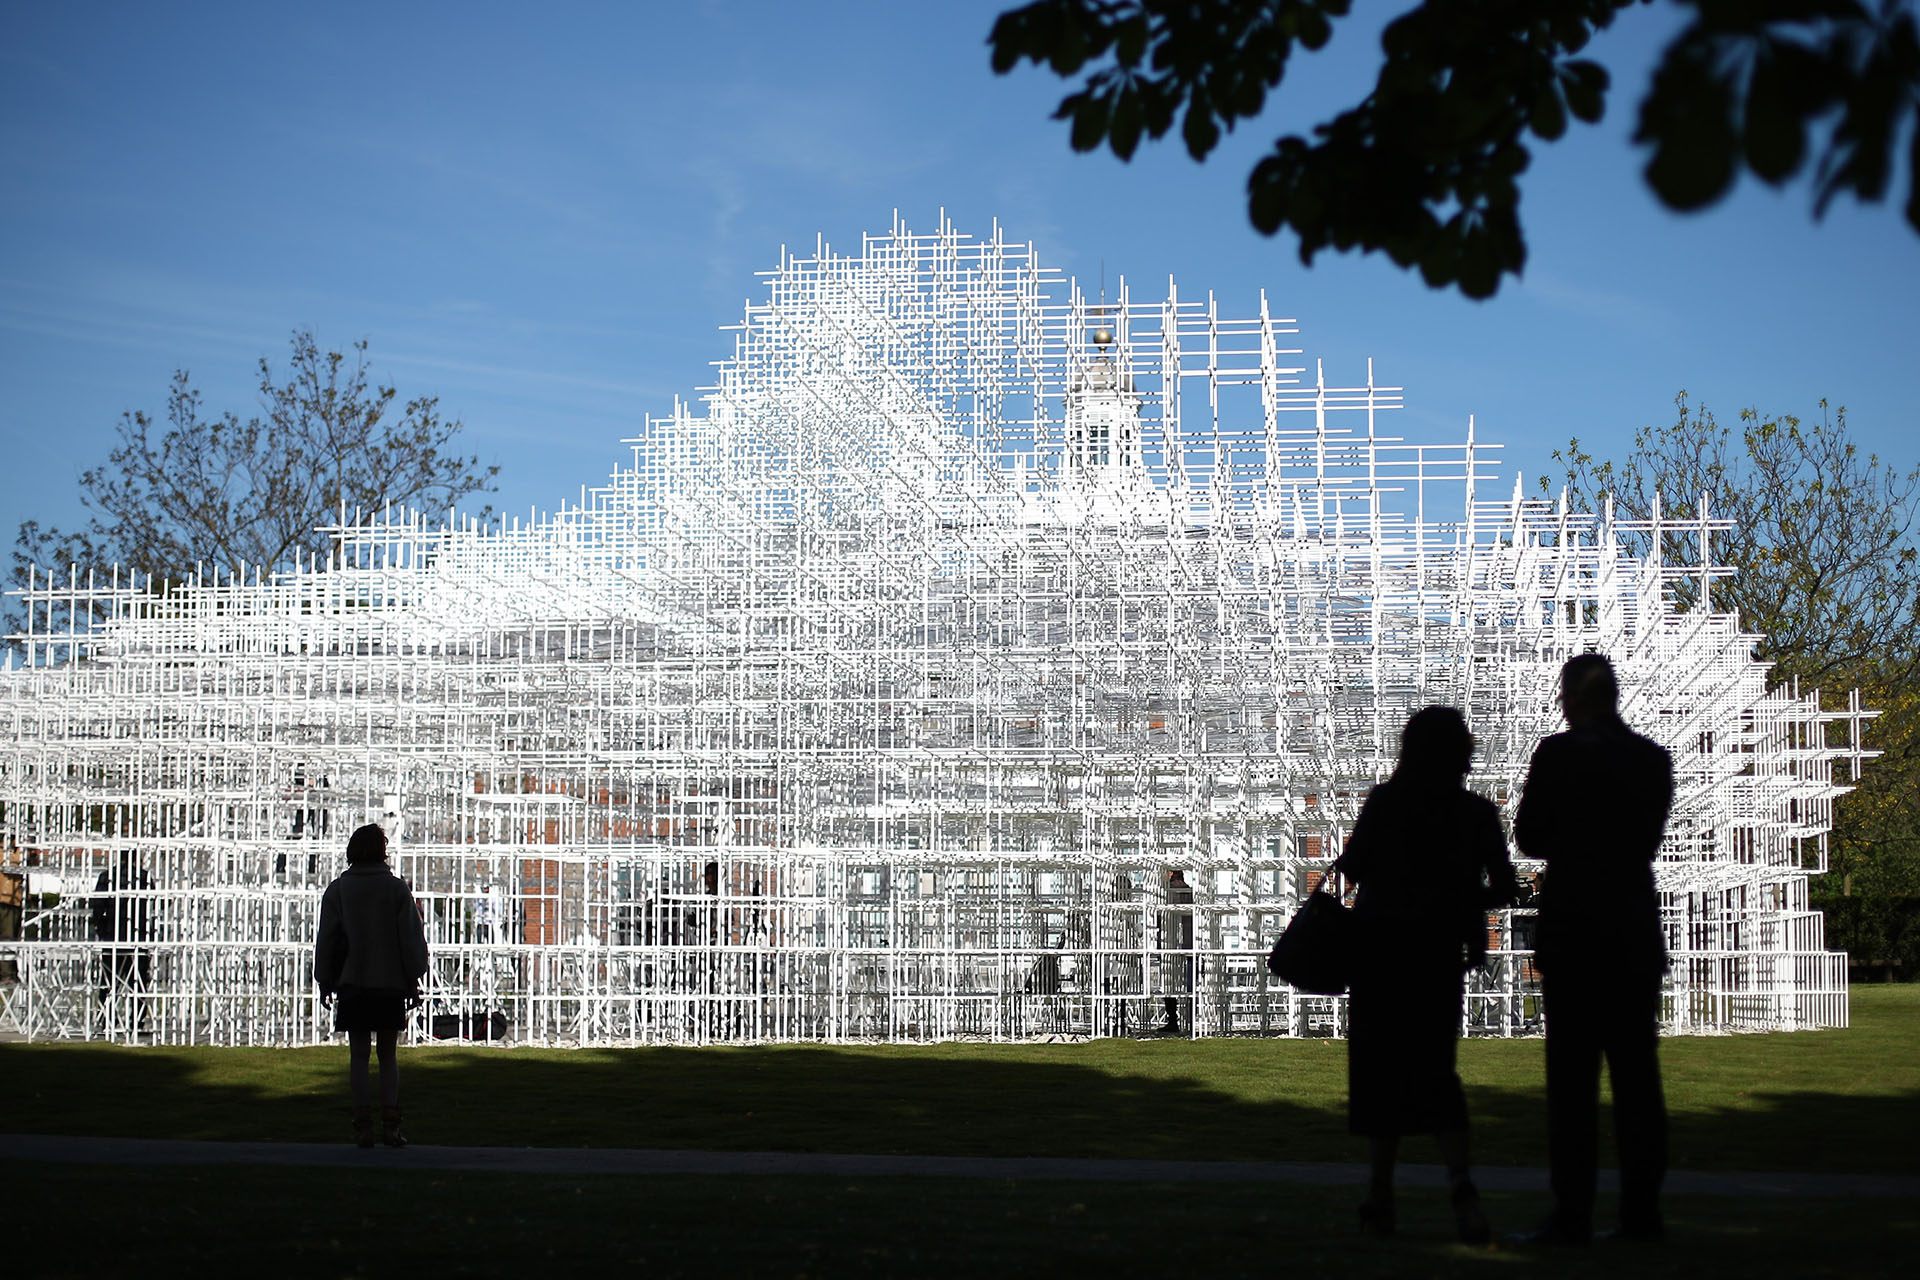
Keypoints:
pixel 372 952
pixel 1430 858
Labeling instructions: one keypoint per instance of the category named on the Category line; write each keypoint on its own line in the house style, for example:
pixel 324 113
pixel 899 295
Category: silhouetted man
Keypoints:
pixel 1594 809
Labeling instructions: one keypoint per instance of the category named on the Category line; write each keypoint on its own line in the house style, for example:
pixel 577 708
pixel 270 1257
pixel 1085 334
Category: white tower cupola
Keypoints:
pixel 1103 422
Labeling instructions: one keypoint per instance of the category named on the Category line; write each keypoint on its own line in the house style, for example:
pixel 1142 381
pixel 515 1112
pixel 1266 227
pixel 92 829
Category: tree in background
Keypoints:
pixel 1426 167
pixel 251 494
pixel 1825 569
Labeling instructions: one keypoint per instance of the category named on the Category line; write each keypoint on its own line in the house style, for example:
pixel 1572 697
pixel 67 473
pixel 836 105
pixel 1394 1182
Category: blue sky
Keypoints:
pixel 543 214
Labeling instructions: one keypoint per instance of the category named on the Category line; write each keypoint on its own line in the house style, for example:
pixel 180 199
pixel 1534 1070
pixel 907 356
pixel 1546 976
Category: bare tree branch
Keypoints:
pixel 251 494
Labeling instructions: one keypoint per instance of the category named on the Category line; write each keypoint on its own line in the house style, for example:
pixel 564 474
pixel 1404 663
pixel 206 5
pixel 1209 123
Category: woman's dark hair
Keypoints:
pixel 1436 749
pixel 368 844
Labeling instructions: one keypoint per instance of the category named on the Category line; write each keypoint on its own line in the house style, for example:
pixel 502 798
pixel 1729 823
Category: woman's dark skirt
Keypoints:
pixel 374 1010
pixel 1403 1028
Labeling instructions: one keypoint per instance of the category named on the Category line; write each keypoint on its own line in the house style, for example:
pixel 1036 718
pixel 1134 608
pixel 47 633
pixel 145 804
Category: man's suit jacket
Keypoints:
pixel 1595 809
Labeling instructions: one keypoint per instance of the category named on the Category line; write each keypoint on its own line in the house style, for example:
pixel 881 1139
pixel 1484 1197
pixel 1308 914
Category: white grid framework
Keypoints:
pixel 879 697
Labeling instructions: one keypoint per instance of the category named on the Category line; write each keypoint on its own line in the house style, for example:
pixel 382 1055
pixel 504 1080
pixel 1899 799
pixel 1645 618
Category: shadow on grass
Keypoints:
pixel 300 1222
pixel 1790 1130
pixel 1275 1100
pixel 784 1097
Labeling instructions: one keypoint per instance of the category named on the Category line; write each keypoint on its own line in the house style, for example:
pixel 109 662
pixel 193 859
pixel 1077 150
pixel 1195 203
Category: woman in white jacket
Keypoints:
pixel 371 953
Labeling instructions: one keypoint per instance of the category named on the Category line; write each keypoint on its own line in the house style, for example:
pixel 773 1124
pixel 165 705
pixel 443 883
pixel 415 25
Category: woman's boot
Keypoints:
pixel 1468 1218
pixel 1376 1215
pixel 363 1126
pixel 390 1128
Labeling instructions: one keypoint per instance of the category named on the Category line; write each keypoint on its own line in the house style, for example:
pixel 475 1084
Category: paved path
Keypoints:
pixel 145 1151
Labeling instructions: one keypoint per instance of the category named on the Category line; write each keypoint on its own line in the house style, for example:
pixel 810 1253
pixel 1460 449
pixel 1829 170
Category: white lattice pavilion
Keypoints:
pixel 880 695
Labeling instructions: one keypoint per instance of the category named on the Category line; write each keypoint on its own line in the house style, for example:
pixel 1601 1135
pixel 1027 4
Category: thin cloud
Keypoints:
pixel 510 373
pixel 116 330
pixel 1616 310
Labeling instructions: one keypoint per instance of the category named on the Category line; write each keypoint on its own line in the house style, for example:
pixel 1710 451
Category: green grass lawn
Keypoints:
pixel 1835 1101
pixel 1831 1100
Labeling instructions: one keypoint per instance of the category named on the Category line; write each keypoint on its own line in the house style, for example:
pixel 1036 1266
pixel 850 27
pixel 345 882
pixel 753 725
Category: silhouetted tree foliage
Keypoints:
pixel 1825 569
pixel 1879 931
pixel 1426 167
pixel 246 494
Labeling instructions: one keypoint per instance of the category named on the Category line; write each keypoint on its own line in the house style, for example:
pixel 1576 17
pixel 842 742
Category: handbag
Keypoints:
pixel 1315 952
